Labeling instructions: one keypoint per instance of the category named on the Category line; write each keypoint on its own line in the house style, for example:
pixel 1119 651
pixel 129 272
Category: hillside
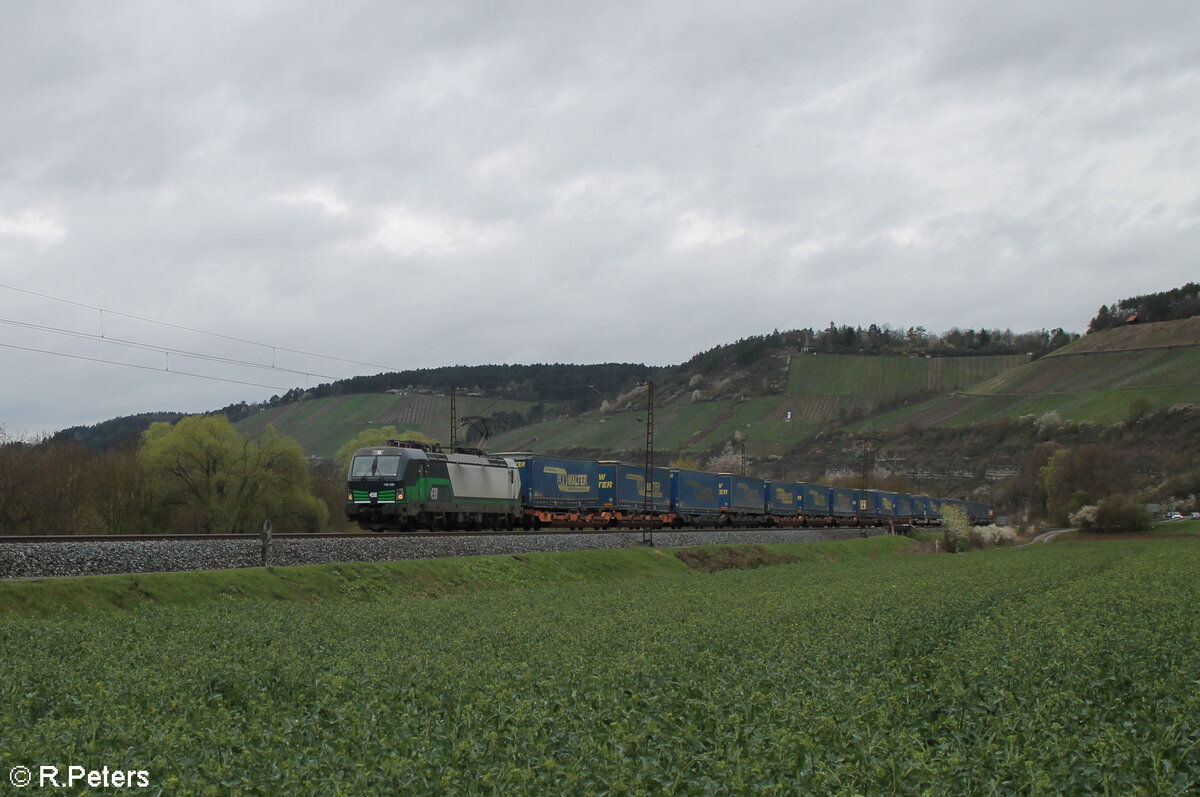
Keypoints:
pixel 804 413
pixel 322 425
pixel 812 393
pixel 693 414
pixel 1138 336
pixel 1100 379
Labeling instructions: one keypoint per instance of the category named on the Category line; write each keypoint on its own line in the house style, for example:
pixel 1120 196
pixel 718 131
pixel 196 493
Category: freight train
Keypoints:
pixel 406 485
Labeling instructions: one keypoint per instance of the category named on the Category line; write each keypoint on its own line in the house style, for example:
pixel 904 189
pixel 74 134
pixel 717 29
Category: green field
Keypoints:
pixel 813 374
pixel 1098 387
pixel 1070 667
pixel 1100 407
pixel 680 427
pixel 1097 371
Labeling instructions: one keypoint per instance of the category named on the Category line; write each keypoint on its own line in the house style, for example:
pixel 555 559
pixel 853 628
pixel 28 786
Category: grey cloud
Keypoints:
pixel 548 182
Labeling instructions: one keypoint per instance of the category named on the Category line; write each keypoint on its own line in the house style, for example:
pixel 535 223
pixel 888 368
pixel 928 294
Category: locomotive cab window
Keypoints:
pixel 371 465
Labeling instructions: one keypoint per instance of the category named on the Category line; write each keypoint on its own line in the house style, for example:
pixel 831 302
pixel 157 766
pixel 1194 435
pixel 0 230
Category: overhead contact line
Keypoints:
pixel 164 369
pixel 101 311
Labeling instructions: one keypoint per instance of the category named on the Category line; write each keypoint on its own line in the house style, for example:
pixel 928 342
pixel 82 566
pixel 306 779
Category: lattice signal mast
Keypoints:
pixel 648 490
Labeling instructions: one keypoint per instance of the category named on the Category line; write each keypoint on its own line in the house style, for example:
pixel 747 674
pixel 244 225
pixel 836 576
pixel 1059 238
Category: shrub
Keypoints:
pixel 1049 422
pixel 1121 513
pixel 1139 408
pixel 1074 478
pixel 1005 535
pixel 1084 518
pixel 728 461
pixel 987 536
pixel 956 529
pixel 1116 513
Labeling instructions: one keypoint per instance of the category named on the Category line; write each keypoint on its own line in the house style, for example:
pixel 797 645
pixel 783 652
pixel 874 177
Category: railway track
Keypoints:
pixel 37 557
pixel 377 535
pixel 353 535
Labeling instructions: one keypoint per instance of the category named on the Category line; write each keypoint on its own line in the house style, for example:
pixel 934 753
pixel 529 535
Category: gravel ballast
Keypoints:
pixel 90 558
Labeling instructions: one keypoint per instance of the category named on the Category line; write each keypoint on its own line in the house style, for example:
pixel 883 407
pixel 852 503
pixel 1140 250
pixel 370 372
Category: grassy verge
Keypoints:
pixel 428 578
pixel 1176 527
pixel 1160 529
pixel 1050 669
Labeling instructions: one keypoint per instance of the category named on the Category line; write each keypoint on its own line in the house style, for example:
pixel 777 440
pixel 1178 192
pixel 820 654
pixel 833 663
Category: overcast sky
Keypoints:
pixel 406 185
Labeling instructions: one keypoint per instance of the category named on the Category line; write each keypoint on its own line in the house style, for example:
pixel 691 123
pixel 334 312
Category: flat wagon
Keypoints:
pixel 558 491
pixel 623 498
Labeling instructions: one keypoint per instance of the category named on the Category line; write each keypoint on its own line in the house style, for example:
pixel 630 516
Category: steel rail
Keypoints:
pixel 368 535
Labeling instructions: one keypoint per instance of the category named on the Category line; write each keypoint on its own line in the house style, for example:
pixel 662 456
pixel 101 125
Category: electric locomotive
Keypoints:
pixel 407 485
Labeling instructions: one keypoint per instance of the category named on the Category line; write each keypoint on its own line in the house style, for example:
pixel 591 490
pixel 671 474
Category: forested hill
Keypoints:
pixel 882 340
pixel 575 385
pixel 116 431
pixel 584 386
pixel 578 387
pixel 575 388
pixel 1173 305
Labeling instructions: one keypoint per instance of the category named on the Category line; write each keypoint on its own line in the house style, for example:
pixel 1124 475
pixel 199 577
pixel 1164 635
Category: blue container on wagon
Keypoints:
pixel 783 499
pixel 933 509
pixel 882 504
pixel 622 488
pixel 981 514
pixel 905 507
pixel 920 508
pixel 695 492
pixel 843 501
pixel 556 482
pixel 868 504
pixel 814 500
pixel 741 495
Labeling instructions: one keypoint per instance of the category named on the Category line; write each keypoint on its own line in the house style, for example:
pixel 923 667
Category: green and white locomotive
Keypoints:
pixel 409 485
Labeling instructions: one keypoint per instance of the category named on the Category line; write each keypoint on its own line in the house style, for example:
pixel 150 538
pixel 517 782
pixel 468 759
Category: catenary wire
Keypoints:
pixel 141 367
pixel 133 344
pixel 102 311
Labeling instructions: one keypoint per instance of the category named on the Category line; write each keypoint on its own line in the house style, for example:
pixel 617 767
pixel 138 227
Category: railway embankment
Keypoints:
pixel 526 561
pixel 103 557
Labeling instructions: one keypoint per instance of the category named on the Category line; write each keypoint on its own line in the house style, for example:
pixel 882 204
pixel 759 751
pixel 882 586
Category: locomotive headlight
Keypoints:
pixel 349 495
pixel 399 493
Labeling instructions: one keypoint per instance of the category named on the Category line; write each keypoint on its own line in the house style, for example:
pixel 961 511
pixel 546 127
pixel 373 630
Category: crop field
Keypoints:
pixel 681 425
pixel 1140 336
pixel 1062 374
pixel 869 375
pixel 758 419
pixel 605 431
pixel 1097 406
pixel 685 427
pixel 1070 667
